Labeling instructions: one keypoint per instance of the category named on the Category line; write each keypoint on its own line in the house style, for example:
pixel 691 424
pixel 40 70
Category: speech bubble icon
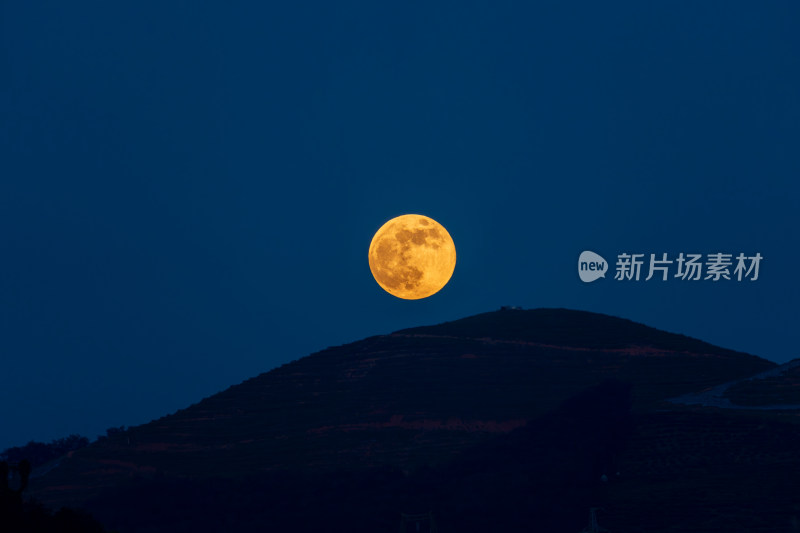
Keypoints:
pixel 591 266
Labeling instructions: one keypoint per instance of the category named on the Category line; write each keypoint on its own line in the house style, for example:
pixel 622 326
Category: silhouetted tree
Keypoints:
pixel 114 431
pixel 16 516
pixel 39 453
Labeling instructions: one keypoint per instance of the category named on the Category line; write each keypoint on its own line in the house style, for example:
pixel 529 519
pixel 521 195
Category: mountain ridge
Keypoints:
pixel 414 397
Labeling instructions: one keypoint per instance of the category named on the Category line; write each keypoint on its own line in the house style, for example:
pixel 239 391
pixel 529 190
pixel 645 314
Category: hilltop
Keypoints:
pixel 419 398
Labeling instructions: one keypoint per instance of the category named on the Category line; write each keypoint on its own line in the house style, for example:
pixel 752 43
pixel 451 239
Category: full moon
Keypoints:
pixel 412 257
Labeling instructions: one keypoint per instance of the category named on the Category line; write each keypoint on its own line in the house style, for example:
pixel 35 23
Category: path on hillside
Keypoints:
pixel 715 397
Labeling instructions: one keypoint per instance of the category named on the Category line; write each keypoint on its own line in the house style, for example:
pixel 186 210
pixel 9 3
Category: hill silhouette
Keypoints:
pixel 392 417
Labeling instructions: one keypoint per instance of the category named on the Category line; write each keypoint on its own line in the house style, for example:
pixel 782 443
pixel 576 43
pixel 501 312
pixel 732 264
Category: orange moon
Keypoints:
pixel 412 257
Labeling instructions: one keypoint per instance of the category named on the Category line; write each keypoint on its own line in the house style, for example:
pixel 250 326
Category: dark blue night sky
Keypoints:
pixel 189 189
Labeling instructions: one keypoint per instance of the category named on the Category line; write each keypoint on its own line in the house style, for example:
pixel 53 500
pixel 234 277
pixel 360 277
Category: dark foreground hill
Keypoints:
pixel 490 420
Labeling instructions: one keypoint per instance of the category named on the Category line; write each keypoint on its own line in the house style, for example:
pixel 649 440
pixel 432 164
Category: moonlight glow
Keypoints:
pixel 412 256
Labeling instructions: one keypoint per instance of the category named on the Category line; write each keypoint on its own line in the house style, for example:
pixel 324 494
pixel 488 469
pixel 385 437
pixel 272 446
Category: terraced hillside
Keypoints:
pixel 415 397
